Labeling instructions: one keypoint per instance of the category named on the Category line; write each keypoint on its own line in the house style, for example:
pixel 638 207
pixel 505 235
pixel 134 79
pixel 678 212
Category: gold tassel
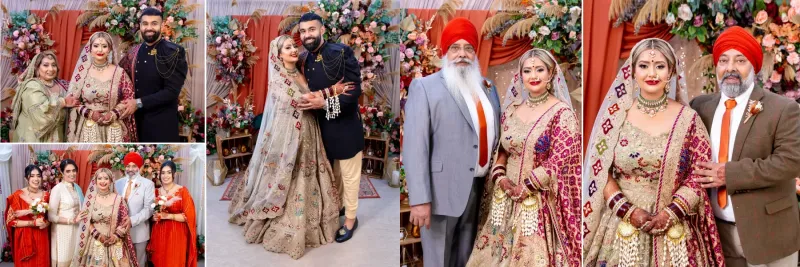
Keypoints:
pixel 448 9
pixel 767 66
pixel 520 29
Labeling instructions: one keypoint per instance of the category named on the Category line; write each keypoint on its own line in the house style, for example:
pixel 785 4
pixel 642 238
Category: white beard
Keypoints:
pixel 458 78
pixel 735 90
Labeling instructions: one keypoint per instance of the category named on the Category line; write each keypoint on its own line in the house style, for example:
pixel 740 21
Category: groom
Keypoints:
pixel 755 141
pixel 324 64
pixel 139 193
pixel 158 69
pixel 451 131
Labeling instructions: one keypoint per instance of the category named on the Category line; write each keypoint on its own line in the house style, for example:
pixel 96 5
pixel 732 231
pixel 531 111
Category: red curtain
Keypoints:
pixel 69 38
pixel 261 32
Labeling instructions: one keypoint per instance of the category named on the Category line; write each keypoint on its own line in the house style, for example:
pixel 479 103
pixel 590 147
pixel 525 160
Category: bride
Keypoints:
pixel 100 87
pixel 644 207
pixel 290 198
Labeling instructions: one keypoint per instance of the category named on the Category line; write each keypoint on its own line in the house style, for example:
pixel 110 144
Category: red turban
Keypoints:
pixel 457 29
pixel 134 158
pixel 740 39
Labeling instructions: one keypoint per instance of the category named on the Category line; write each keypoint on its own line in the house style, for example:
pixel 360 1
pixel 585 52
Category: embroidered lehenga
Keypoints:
pixel 96 95
pixel 39 113
pixel 289 200
pixel 654 173
pixel 103 220
pixel 541 229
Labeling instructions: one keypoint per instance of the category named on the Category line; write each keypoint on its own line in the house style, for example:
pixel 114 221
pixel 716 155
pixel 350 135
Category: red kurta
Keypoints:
pixel 30 245
pixel 174 243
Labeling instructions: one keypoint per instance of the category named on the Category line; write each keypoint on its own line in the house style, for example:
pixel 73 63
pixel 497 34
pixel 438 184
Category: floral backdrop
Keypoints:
pixel 551 25
pixel 229 48
pixel 775 24
pixel 121 18
pixel 114 154
pixel 364 25
pixel 24 37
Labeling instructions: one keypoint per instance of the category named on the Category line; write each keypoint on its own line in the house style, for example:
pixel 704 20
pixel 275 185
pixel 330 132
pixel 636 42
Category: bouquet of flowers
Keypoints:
pixel 39 207
pixel 163 202
pixel 113 154
pixel 364 25
pixel 551 25
pixel 24 37
pixel 232 53
pixel 121 18
pixel 6 117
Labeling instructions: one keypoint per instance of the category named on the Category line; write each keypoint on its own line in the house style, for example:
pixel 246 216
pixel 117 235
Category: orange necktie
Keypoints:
pixel 484 157
pixel 722 193
pixel 129 189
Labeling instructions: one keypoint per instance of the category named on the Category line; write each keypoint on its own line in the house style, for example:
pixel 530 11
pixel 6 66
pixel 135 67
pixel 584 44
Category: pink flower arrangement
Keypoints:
pixel 232 53
pixel 24 37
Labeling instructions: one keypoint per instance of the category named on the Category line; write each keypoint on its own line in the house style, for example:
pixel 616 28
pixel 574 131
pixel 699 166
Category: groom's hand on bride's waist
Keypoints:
pixel 421 215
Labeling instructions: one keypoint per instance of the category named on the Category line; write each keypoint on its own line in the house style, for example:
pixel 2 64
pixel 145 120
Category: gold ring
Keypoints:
pixel 710 179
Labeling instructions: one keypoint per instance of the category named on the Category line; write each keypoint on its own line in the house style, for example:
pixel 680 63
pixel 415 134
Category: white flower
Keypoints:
pixel 131 150
pixel 40 208
pixel 108 24
pixel 670 19
pixel 141 147
pixel 153 205
pixel 143 7
pixel 163 197
pixel 544 30
pixel 114 22
pixel 346 11
pixel 133 9
pixel 532 34
pixel 720 19
pixel 161 202
pixel 778 58
pixel 321 6
pixel 336 14
pixel 685 12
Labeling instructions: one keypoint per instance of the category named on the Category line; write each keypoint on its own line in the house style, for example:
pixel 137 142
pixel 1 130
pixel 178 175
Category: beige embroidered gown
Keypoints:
pixel 311 211
pixel 63 238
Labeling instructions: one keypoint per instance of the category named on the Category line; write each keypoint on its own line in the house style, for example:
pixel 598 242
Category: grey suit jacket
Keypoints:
pixel 143 194
pixel 760 175
pixel 440 145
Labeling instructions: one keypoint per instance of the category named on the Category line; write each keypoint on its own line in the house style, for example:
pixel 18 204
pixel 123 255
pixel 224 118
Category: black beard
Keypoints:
pixel 151 39
pixel 313 45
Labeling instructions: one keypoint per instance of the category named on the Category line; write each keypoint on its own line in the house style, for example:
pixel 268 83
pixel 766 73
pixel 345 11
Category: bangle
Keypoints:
pixel 529 184
pixel 628 212
pixel 612 201
pixel 675 210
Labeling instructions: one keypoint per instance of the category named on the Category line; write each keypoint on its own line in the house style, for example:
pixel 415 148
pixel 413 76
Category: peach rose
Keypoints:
pixel 768 41
pixel 762 17
pixel 790 47
pixel 793 37
pixel 776 77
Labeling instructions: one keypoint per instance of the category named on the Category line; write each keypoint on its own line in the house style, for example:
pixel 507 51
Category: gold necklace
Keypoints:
pixel 652 107
pixel 50 84
pixel 100 67
pixel 31 192
pixel 99 192
pixel 292 72
pixel 537 100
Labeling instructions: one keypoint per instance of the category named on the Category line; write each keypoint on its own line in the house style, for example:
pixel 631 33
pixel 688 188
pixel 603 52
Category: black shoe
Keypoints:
pixel 341 212
pixel 344 234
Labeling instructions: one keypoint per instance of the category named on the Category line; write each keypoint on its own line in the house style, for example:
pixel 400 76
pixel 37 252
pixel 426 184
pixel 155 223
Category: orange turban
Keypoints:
pixel 740 39
pixel 457 29
pixel 134 158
